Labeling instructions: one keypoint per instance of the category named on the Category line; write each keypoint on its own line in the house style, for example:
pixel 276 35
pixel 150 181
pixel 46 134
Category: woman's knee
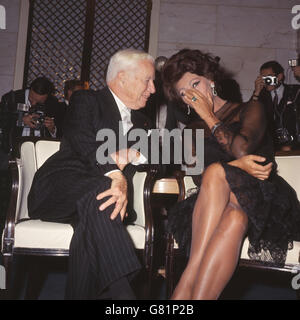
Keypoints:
pixel 214 171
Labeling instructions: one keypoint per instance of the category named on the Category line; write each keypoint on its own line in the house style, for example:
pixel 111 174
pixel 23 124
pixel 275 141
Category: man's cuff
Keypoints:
pixel 139 159
pixel 109 172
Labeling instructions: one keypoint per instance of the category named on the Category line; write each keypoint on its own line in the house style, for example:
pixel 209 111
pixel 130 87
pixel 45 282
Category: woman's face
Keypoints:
pixel 193 81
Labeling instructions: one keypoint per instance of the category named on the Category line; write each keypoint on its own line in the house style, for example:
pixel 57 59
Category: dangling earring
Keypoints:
pixel 213 89
pixel 189 109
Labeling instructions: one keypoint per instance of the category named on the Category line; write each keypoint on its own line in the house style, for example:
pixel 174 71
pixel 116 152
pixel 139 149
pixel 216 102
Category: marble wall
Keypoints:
pixel 8 44
pixel 243 33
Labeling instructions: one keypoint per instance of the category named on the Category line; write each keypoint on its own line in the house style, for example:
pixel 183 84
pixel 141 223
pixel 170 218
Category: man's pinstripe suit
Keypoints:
pixel 65 188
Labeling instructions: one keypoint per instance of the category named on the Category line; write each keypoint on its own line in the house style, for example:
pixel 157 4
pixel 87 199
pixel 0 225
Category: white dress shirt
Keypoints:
pixel 279 91
pixel 127 124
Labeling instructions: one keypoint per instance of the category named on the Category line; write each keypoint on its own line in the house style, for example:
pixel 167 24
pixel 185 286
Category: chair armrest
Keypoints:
pixel 179 176
pixel 152 175
pixel 9 229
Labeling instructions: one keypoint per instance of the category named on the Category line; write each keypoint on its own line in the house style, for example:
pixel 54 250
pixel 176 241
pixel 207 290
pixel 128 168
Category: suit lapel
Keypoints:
pixel 110 110
pixel 140 120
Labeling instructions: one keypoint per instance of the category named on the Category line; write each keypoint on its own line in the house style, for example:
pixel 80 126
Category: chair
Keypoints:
pixel 288 168
pixel 23 236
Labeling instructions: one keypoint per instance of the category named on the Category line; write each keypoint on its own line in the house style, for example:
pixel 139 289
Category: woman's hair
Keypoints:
pixel 125 60
pixel 193 61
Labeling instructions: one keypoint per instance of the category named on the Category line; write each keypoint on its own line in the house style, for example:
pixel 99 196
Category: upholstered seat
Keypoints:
pixel 37 234
pixel 35 237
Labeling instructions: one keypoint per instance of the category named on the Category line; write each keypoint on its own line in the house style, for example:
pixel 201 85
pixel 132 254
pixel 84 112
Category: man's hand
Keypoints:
pixel 248 164
pixel 117 194
pixel 259 84
pixel 29 120
pixel 49 124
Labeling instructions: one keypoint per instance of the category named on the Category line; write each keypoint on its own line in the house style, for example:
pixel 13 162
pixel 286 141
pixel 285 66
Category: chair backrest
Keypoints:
pixel 26 169
pixel 138 197
pixel 288 168
pixel 44 150
pixel 33 156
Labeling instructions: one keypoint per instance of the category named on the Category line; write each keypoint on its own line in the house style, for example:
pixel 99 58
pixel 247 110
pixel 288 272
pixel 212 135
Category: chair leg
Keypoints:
pixel 169 265
pixel 148 260
pixel 36 278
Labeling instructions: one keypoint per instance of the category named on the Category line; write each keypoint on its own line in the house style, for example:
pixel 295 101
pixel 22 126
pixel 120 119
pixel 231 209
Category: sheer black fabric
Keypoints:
pixel 271 205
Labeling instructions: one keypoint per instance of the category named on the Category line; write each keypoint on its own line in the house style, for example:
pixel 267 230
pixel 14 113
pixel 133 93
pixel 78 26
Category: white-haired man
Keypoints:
pixel 77 189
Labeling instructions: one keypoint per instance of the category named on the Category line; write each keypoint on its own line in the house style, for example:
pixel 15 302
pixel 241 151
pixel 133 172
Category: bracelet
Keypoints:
pixel 215 127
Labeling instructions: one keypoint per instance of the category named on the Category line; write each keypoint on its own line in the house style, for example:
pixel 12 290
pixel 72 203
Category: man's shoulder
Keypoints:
pixel 14 96
pixel 292 87
pixel 91 97
pixel 291 91
pixel 93 94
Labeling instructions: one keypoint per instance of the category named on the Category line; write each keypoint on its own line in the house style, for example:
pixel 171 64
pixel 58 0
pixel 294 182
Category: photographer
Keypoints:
pixel 281 102
pixel 30 112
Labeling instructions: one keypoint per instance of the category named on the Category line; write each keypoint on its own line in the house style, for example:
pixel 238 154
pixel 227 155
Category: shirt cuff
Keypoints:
pixel 109 172
pixel 140 158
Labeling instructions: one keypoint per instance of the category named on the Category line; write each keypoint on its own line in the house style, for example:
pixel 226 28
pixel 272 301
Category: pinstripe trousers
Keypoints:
pixel 101 251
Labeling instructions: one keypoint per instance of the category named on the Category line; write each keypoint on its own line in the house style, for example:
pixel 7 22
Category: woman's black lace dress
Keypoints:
pixel 271 205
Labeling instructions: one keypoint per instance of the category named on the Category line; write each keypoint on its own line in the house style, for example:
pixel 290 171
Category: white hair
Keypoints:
pixel 125 60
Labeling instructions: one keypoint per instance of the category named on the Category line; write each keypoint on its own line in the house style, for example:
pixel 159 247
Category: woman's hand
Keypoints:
pixel 117 194
pixel 202 104
pixel 248 164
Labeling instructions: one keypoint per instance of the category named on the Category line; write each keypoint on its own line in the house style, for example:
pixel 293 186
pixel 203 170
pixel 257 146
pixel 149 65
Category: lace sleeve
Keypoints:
pixel 253 126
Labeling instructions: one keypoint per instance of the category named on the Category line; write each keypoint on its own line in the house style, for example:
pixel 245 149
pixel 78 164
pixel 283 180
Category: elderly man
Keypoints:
pixel 77 189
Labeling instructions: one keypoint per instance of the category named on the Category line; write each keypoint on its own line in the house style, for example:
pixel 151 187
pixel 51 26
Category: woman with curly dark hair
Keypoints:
pixel 239 191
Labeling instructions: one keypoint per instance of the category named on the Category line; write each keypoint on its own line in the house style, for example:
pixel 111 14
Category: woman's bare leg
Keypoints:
pixel 212 200
pixel 221 255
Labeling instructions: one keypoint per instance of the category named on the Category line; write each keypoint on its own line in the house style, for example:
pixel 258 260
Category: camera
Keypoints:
pixel 283 136
pixel 293 62
pixel 270 80
pixel 39 111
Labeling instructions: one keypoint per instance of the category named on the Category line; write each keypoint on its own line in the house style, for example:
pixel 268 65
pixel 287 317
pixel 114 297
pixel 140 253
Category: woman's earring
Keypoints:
pixel 213 89
pixel 189 109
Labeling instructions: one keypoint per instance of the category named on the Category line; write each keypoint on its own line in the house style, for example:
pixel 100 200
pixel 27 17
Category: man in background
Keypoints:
pixel 281 102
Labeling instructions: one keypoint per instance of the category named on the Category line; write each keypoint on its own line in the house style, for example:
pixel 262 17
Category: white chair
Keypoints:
pixel 23 236
pixel 289 169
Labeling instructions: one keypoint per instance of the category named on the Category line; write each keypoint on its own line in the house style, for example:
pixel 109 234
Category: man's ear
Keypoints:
pixel 122 77
pixel 280 77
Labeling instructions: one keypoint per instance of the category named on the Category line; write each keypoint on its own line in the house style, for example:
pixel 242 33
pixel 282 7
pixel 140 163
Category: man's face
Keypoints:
pixel 36 98
pixel 270 72
pixel 138 84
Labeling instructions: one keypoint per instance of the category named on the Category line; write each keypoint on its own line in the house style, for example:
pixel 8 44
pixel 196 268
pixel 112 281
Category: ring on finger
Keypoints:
pixel 194 98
